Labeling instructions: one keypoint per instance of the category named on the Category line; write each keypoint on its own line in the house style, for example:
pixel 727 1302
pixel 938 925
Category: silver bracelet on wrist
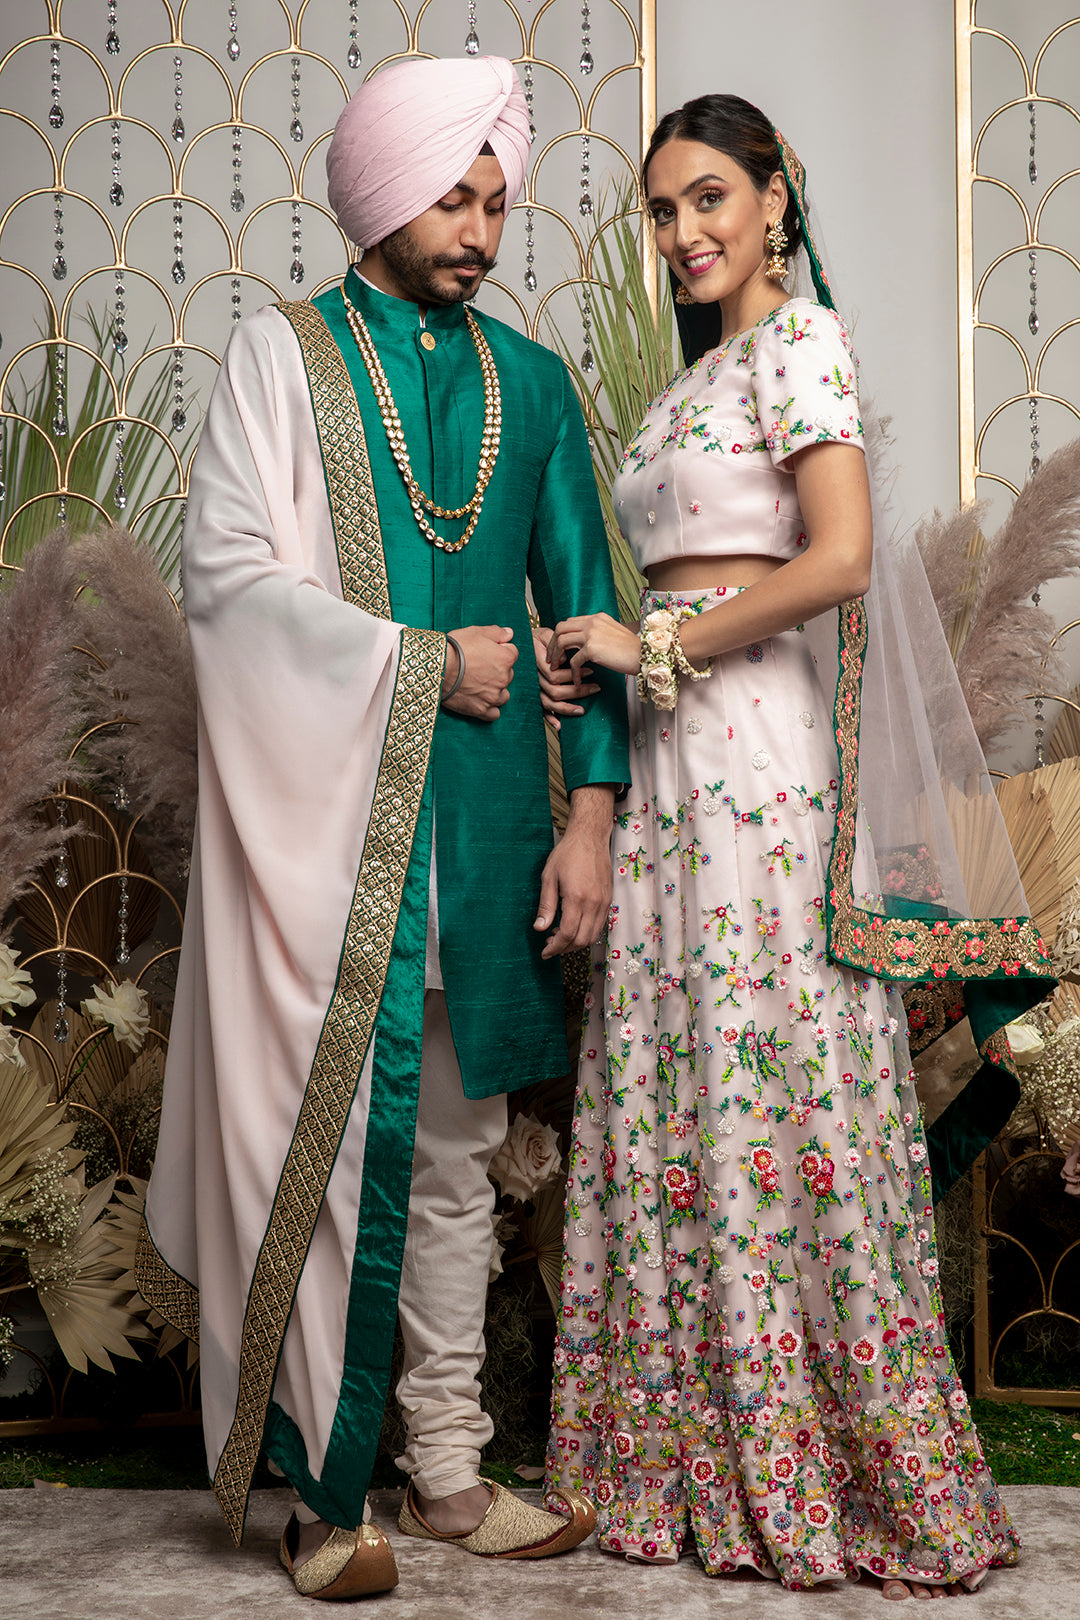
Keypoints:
pixel 460 676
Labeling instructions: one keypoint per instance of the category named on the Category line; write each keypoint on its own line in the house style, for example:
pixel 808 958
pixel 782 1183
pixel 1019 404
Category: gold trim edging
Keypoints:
pixel 171 1295
pixel 353 507
pixel 369 936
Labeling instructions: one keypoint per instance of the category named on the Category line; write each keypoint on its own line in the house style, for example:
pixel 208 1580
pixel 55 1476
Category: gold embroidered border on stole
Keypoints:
pixel 171 1295
pixel 373 915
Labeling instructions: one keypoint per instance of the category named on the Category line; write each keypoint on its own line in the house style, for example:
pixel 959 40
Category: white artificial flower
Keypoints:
pixel 125 1007
pixel 16 987
pixel 1025 1042
pixel 528 1160
pixel 9 1048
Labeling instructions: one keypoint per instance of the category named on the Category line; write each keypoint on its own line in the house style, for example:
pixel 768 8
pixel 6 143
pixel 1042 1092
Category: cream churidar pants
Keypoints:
pixel 444 1273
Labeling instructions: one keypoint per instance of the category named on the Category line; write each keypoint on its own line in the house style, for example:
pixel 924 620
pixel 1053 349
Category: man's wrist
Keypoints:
pixel 592 807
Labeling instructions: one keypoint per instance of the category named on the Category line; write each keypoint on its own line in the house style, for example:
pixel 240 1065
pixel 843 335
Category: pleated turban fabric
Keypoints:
pixel 411 132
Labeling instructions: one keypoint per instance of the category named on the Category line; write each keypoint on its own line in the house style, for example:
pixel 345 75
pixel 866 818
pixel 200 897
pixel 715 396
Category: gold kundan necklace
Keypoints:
pixel 489 444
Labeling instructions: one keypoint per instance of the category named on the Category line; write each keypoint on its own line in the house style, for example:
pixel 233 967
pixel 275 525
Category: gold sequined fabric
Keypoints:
pixel 511 1528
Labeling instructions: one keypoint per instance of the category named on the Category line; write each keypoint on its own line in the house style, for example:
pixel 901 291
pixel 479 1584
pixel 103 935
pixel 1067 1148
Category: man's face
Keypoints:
pixel 442 256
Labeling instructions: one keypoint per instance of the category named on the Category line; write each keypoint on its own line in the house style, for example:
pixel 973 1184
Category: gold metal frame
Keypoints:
pixel 972 280
pixel 641 61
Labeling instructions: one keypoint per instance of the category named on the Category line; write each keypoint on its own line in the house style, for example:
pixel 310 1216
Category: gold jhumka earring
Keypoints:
pixel 683 296
pixel 776 240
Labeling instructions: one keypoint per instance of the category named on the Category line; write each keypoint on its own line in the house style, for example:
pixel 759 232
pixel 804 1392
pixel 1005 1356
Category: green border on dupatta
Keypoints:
pixel 988 969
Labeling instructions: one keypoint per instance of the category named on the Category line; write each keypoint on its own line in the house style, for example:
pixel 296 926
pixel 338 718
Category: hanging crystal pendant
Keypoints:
pixel 120 337
pixel 296 269
pixel 56 111
pixel 119 488
pixel 61 1028
pixel 59 264
pixel 179 270
pixel 585 203
pixel 235 298
pixel 60 419
pixel 112 38
pixel 352 56
pixel 236 199
pixel 178 131
pixel 60 874
pixel 530 254
pixel 123 955
pixel 296 128
pixel 116 190
pixel 232 49
pixel 585 65
pixel 179 415
pixel 472 38
pixel 1033 172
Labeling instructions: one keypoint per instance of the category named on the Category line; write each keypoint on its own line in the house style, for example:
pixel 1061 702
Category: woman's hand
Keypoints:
pixel 560 693
pixel 595 638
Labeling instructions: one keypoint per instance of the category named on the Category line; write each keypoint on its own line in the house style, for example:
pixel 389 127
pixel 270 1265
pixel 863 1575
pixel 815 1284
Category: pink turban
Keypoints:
pixel 413 131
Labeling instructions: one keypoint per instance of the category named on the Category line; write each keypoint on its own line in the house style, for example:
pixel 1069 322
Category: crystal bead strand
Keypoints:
pixel 352 56
pixel 59 264
pixel 116 190
pixel 296 128
pixel 1040 730
pixel 530 238
pixel 585 65
pixel 236 196
pixel 61 876
pixel 60 420
pixel 472 38
pixel 232 49
pixel 1033 172
pixel 123 955
pixel 56 111
pixel 119 488
pixel 178 130
pixel 61 1028
pixel 120 337
pixel 235 299
pixel 112 37
pixel 179 269
pixel 179 415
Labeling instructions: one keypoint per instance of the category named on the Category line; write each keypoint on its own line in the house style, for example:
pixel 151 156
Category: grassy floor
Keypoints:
pixel 1024 1445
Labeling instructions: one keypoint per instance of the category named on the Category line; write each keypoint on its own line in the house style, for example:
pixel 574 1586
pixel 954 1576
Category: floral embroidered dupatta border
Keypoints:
pixel 948 965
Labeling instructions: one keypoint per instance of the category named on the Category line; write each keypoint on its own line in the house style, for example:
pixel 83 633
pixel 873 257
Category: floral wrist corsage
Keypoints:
pixel 662 657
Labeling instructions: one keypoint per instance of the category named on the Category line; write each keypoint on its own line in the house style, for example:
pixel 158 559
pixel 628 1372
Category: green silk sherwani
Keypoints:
pixel 541 519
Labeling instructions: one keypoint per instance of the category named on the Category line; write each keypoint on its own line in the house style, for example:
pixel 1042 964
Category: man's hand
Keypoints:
pixel 490 656
pixel 559 692
pixel 577 875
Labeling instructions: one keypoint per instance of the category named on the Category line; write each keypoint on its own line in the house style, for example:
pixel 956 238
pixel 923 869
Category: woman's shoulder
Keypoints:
pixel 805 320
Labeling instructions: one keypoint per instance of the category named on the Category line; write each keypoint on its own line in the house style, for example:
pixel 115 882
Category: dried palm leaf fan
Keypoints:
pixel 1065 737
pixel 89 1065
pixel 1028 816
pixel 1061 784
pixel 542 1232
pixel 90 904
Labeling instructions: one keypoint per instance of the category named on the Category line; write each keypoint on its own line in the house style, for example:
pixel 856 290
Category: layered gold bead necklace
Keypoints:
pixel 395 436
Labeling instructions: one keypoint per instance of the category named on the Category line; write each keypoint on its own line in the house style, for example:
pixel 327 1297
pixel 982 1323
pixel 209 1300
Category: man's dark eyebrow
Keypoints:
pixel 686 190
pixel 471 191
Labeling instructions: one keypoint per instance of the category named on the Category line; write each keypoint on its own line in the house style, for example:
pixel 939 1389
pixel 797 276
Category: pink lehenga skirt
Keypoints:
pixel 751 1357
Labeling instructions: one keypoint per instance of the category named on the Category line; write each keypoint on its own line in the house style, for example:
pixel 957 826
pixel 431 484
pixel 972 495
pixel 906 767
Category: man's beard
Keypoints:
pixel 414 270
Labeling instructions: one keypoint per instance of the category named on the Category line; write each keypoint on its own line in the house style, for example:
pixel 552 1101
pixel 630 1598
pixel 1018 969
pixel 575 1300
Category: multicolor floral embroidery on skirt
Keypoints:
pixel 752 1346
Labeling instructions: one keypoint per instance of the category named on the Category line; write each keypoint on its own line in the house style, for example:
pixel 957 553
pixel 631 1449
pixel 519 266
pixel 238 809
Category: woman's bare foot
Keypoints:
pixel 457 1514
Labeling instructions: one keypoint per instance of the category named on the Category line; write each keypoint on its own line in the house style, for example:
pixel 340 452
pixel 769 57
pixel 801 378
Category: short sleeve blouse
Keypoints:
pixel 709 472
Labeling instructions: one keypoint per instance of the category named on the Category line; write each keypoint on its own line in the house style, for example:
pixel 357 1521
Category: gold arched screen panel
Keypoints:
pixel 165 173
pixel 1018 238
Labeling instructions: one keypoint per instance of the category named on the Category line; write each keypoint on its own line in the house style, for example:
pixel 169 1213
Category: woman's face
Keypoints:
pixel 710 218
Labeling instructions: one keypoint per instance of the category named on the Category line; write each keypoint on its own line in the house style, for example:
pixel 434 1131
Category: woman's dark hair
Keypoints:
pixel 740 130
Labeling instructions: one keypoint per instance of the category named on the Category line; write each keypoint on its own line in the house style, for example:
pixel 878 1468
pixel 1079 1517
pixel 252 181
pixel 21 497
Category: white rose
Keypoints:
pixel 9 1048
pixel 1025 1043
pixel 528 1160
pixel 660 683
pixel 659 619
pixel 125 1007
pixel 16 988
pixel 660 640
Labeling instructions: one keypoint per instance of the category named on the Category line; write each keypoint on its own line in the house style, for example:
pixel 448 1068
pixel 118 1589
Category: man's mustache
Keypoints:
pixel 466 261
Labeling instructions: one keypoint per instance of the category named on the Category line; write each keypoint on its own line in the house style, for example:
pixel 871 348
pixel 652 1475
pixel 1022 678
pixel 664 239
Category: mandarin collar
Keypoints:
pixel 399 314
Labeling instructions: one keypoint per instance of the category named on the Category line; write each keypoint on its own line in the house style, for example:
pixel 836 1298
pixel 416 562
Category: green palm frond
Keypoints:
pixel 636 356
pixel 28 467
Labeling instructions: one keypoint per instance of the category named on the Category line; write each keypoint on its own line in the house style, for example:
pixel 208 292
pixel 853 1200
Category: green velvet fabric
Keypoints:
pixel 541 519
